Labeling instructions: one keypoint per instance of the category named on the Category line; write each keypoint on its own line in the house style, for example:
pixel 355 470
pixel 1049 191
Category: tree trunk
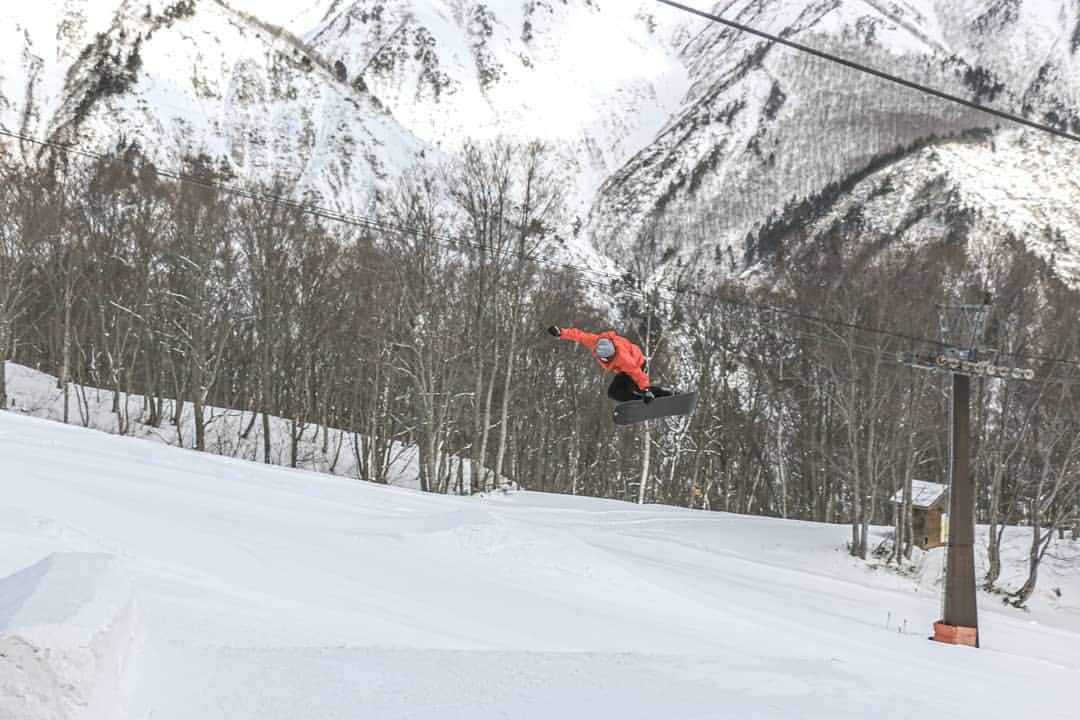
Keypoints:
pixel 4 351
pixel 993 535
pixel 251 424
pixel 460 481
pixel 695 477
pixel 266 437
pixel 903 539
pixel 358 456
pixel 1076 515
pixel 198 409
pixel 899 526
pixel 200 423
pixel 781 469
pixel 83 403
pixel 337 452
pixel 326 430
pixel 646 457
pixel 296 431
pixel 856 493
pixel 1034 557
pixel 475 460
pixel 371 442
pixel 428 445
pixel 485 432
pixel 725 499
pixel 65 358
pixel 504 422
pixel 907 519
pixel 178 419
pixel 871 478
pixel 680 437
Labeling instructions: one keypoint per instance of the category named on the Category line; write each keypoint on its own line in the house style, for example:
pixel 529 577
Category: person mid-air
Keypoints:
pixel 618 355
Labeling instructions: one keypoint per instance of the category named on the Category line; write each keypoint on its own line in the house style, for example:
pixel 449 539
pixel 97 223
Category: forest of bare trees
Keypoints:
pixel 427 329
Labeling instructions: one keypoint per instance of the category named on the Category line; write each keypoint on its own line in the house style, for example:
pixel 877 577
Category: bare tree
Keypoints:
pixel 19 206
pixel 202 295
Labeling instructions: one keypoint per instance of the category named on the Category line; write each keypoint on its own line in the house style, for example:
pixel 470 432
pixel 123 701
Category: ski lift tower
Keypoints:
pixel 961 356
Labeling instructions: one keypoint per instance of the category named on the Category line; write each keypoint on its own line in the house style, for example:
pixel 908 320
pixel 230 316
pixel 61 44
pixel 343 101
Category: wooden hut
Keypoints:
pixel 929 523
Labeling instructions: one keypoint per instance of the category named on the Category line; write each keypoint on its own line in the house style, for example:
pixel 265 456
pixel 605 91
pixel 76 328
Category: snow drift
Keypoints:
pixel 67 630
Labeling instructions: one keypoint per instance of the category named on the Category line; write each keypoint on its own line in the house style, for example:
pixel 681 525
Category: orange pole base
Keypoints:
pixel 956 634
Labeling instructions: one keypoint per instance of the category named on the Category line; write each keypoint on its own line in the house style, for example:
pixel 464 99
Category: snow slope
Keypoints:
pixel 35 393
pixel 763 125
pixel 658 119
pixel 595 79
pixel 984 192
pixel 198 79
pixel 271 593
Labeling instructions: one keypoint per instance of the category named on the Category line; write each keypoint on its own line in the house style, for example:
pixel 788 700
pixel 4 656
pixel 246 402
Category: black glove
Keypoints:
pixel 647 397
pixel 555 330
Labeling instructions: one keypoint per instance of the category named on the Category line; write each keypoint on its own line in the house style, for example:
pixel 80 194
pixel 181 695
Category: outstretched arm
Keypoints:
pixel 580 337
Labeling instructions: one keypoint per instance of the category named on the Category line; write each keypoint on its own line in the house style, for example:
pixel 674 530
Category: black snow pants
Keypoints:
pixel 624 389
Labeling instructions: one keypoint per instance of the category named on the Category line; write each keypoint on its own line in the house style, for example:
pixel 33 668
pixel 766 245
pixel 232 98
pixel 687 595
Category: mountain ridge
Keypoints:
pixel 691 130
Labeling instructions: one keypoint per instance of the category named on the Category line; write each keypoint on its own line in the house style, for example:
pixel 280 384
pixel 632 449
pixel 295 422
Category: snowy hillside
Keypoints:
pixel 763 126
pixel 984 191
pixel 338 97
pixel 143 581
pixel 229 432
pixel 596 80
pixel 195 77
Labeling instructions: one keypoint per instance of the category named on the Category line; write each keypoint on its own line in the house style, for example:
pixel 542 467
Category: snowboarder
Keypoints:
pixel 618 355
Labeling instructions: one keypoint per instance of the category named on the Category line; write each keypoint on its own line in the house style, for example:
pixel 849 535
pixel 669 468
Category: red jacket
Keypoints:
pixel 628 357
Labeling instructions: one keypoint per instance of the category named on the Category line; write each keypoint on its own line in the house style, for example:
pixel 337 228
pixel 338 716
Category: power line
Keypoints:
pixel 602 281
pixel 910 84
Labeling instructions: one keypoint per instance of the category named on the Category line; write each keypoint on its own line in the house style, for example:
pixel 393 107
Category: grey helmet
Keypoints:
pixel 605 349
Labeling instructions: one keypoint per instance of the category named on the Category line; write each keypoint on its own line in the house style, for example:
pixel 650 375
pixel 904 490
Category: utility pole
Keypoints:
pixel 959 611
pixel 960 356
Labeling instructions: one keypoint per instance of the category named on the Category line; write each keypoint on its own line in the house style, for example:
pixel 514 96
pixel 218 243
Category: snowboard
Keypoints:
pixel 636 411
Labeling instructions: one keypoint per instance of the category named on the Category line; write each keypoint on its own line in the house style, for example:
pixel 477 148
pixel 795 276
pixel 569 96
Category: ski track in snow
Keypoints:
pixel 264 592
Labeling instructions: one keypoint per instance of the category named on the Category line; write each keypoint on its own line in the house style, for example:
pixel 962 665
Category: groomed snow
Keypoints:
pixel 270 593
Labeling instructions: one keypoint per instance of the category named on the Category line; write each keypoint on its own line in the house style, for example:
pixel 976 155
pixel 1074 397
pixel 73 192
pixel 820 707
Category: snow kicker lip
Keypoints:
pixel 68 626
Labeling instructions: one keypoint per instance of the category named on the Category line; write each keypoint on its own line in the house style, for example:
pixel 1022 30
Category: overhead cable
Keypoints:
pixel 866 69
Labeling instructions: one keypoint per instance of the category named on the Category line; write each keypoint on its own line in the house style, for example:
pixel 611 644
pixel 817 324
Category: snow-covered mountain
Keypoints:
pixel 593 81
pixel 341 96
pixel 764 125
pixel 658 117
pixel 191 77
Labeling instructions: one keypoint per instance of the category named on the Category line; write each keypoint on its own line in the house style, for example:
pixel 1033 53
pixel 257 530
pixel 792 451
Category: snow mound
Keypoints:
pixel 67 629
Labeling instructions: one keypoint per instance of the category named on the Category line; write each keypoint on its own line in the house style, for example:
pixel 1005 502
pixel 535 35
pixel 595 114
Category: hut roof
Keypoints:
pixel 924 494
